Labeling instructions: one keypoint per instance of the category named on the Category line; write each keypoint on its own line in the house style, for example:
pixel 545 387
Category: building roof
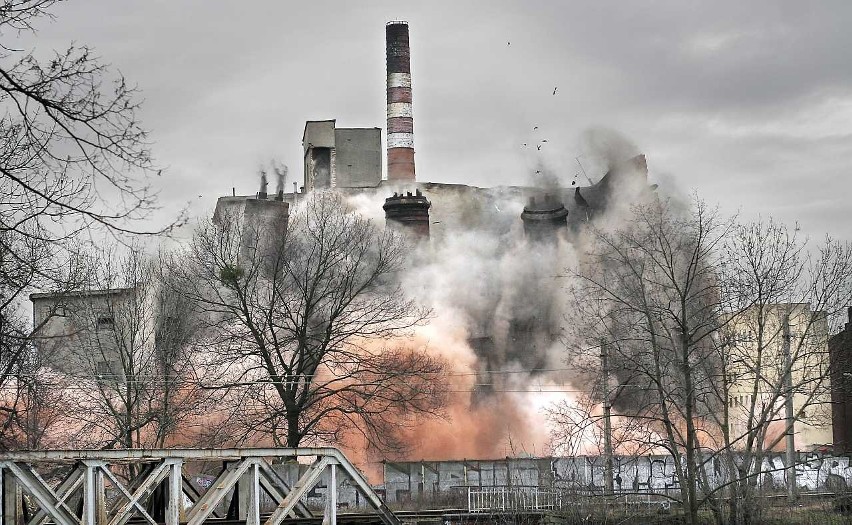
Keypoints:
pixel 80 293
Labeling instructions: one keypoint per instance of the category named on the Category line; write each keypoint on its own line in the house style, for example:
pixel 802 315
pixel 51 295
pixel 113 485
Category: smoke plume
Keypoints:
pixel 499 299
pixel 280 171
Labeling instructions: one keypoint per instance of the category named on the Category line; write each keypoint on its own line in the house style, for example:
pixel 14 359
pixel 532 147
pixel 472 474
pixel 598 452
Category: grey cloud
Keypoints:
pixel 229 85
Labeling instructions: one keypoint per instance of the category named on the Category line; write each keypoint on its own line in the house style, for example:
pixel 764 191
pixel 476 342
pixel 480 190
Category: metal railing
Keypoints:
pixel 518 498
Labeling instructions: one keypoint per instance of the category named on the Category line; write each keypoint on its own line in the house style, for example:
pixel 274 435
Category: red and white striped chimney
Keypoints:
pixel 400 132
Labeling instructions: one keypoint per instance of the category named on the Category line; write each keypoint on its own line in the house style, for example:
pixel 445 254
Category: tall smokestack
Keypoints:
pixel 400 131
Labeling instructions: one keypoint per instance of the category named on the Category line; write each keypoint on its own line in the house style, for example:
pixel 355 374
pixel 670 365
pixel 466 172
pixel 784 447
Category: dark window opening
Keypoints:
pixel 105 323
pixel 104 369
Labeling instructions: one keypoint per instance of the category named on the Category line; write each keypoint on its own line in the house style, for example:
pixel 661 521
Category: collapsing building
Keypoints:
pixel 510 305
pixel 512 319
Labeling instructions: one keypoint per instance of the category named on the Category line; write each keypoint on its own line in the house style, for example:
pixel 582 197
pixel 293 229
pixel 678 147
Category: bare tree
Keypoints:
pixel 300 323
pixel 125 341
pixel 778 301
pixel 72 157
pixel 69 137
pixel 717 335
pixel 647 289
pixel 26 263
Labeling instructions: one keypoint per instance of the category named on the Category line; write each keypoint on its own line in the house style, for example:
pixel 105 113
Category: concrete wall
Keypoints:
pixel 810 367
pixel 840 352
pixel 79 334
pixel 426 480
pixel 318 146
pixel 358 160
pixel 319 134
pixel 445 483
pixel 267 218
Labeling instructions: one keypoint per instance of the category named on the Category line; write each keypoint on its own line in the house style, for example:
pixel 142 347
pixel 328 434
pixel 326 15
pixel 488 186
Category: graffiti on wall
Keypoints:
pixel 631 474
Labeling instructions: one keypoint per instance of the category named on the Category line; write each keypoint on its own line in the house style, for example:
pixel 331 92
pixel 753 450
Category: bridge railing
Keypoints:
pixel 151 485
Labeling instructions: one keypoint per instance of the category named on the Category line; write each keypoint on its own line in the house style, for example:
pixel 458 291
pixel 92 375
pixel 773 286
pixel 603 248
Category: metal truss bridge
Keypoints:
pixel 113 487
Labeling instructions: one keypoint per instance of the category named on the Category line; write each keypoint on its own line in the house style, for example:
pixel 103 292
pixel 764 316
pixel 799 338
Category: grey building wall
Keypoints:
pixel 77 330
pixel 358 159
pixel 318 144
pixel 341 157
pixel 263 224
pixel 318 134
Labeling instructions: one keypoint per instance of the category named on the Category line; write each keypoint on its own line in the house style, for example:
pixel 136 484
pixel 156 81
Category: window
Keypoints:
pixel 105 322
pixel 109 371
pixel 103 369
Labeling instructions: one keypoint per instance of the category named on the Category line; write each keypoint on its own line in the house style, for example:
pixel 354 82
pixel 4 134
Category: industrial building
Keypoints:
pixel 790 332
pixel 77 330
pixel 349 160
pixel 840 352
pixel 341 157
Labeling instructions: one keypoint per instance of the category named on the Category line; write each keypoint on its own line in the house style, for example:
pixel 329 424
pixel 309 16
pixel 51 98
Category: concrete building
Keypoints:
pixel 341 157
pixel 804 337
pixel 261 220
pixel 840 353
pixel 82 333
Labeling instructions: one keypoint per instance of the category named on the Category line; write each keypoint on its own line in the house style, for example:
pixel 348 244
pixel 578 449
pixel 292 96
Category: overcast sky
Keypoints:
pixel 747 103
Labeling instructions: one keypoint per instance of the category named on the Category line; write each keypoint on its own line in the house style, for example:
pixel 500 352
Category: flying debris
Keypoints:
pixel 535 128
pixel 538 147
pixel 508 43
pixel 525 144
pixel 544 140
pixel 554 90
pixel 538 171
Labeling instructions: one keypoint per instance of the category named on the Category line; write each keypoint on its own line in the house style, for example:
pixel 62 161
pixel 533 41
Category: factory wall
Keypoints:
pixel 358 159
pixel 318 145
pixel 840 356
pixel 77 334
pixel 262 218
pixel 341 157
pixel 319 134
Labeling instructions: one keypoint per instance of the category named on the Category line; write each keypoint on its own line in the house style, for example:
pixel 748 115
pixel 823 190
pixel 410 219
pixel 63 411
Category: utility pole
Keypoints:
pixel 607 414
pixel 788 407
